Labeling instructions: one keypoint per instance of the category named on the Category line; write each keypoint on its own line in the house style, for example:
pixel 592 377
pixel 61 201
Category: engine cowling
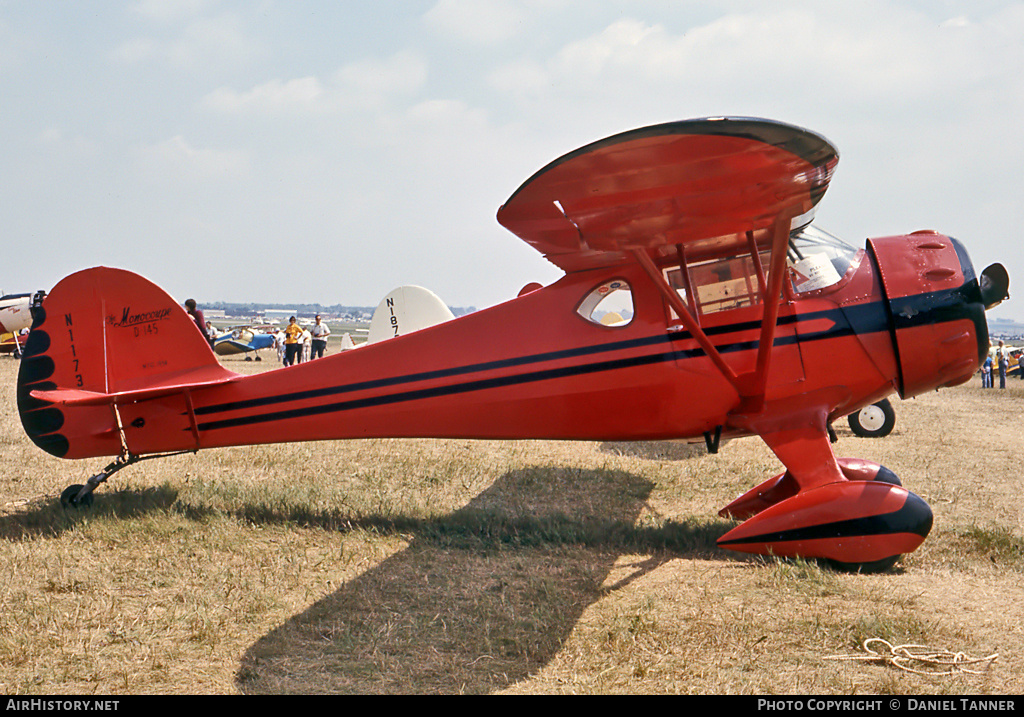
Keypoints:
pixel 936 309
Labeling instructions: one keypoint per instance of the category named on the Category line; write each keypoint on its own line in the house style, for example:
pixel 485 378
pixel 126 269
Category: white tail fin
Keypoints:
pixel 404 310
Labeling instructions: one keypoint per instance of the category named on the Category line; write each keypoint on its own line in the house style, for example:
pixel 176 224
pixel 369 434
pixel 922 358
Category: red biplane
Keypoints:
pixel 697 302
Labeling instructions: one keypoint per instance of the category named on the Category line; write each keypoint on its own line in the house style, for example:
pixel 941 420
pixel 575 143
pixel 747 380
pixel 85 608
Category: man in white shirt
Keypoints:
pixel 319 332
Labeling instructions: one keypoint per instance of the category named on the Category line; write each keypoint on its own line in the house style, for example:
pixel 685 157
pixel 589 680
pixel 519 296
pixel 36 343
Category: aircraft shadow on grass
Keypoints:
pixel 654 450
pixel 480 599
pixel 48 518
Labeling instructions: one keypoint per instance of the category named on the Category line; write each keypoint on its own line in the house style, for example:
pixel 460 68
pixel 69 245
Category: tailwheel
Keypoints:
pixel 80 495
pixel 72 497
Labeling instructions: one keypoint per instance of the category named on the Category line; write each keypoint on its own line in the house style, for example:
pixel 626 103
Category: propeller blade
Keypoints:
pixel 995 285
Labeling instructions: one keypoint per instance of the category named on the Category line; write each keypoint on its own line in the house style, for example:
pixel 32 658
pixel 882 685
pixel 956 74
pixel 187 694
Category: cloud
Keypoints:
pixel 357 129
pixel 272 96
pixel 897 57
pixel 58 140
pixel 198 41
pixel 13 47
pixel 171 10
pixel 478 22
pixel 365 84
pixel 176 159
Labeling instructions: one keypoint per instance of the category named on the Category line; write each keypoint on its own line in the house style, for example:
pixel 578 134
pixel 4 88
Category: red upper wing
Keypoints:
pixel 701 183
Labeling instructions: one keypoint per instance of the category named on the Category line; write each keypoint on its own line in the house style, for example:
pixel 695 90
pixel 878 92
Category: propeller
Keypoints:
pixel 995 285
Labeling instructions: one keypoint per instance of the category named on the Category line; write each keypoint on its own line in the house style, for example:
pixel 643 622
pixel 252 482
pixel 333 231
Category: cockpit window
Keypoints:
pixel 610 304
pixel 818 259
pixel 719 284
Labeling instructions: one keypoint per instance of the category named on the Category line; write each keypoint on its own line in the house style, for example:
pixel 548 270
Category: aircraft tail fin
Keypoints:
pixel 103 337
pixel 404 310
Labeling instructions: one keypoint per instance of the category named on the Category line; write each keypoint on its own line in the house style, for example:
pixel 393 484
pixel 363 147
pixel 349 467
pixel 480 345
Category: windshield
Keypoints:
pixel 818 259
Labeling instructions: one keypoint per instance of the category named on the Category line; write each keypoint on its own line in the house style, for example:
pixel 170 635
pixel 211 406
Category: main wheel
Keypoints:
pixel 874 421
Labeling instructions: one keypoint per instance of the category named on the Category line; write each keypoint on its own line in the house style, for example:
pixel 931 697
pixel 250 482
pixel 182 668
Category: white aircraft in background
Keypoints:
pixel 15 318
pixel 402 311
pixel 15 313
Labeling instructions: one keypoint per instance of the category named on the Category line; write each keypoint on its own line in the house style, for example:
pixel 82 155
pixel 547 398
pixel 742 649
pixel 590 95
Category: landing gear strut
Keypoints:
pixel 80 496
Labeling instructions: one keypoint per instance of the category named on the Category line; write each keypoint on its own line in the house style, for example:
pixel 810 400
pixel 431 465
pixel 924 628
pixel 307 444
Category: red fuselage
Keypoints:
pixel 534 368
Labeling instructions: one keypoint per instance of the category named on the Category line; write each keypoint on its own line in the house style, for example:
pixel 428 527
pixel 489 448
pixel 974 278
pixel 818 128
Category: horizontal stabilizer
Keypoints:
pixel 77 397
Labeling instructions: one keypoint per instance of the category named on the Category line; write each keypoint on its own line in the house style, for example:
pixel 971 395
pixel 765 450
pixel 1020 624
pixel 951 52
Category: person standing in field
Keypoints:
pixel 1004 364
pixel 320 332
pixel 279 344
pixel 197 315
pixel 292 345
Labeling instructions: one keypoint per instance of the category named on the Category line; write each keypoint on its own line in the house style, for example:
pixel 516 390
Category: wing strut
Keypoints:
pixel 686 317
pixel 684 273
pixel 771 302
pixel 751 386
pixel 755 256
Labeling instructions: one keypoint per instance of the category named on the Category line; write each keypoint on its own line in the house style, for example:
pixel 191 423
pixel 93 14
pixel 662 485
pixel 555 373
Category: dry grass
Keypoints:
pixel 455 566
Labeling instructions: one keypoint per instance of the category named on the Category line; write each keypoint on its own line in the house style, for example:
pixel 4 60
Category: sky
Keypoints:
pixel 317 151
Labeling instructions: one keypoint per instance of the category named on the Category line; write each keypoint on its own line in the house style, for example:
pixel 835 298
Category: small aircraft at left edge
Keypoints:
pixel 16 316
pixel 698 302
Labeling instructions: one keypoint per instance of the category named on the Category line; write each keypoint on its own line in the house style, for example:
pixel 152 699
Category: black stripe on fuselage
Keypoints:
pixel 850 320
pixel 841 327
pixel 477 368
pixel 847 321
pixel 448 390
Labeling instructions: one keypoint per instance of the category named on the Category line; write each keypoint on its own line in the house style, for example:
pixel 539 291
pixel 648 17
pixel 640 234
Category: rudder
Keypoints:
pixel 99 333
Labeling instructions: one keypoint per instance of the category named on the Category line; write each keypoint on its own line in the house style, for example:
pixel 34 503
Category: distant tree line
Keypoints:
pixel 306 310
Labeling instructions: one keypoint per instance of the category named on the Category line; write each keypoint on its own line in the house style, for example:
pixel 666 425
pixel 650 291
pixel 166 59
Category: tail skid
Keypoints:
pixel 104 338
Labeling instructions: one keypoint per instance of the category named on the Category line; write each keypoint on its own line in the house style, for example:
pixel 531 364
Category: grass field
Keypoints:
pixel 398 566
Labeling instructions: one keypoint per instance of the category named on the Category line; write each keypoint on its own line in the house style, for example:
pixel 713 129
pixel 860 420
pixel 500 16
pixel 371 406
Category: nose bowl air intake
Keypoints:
pixel 936 305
